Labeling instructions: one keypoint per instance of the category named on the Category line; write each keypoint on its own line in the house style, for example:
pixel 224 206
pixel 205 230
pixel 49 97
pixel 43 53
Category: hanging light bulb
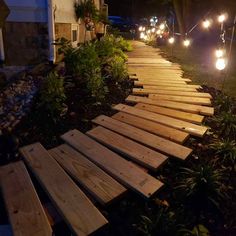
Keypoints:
pixel 221 18
pixel 220 63
pixel 186 42
pixel 162 26
pixel 153 30
pixel 142 35
pixel 219 53
pixel 171 40
pixel 206 24
pixel 140 28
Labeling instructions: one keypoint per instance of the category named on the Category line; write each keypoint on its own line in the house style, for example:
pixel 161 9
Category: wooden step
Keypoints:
pixel 135 151
pixel 178 82
pixel 124 171
pixel 152 127
pixel 170 88
pixel 161 78
pixel 24 209
pixel 188 127
pixel 190 117
pixel 169 84
pixel 190 100
pixel 146 138
pixel 209 111
pixel 98 183
pixel 78 211
pixel 171 92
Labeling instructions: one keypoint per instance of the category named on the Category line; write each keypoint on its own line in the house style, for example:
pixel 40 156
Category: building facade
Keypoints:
pixel 32 26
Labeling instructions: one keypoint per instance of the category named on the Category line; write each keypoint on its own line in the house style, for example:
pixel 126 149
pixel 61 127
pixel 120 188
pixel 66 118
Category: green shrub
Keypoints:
pixel 223 103
pixel 226 123
pixel 52 97
pixel 226 150
pixel 117 69
pixel 203 184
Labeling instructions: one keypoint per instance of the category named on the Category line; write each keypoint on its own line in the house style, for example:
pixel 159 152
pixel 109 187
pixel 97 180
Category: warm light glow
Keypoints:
pixel 206 24
pixel 149 31
pixel 158 31
pixel 153 30
pixel 171 40
pixel 219 53
pixel 140 28
pixel 162 26
pixel 145 37
pixel 142 35
pixel 186 43
pixel 220 64
pixel 221 18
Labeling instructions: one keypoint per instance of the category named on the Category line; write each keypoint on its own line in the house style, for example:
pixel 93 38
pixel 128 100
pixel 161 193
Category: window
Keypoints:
pixel 74 35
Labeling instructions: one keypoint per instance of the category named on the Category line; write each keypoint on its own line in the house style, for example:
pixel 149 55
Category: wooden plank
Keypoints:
pixel 209 111
pixel 169 84
pixel 124 171
pixel 146 138
pixel 78 211
pixel 170 88
pixel 178 82
pixel 161 78
pixel 133 150
pixel 24 209
pixel 98 183
pixel 190 100
pixel 152 127
pixel 188 127
pixel 170 92
pixel 190 117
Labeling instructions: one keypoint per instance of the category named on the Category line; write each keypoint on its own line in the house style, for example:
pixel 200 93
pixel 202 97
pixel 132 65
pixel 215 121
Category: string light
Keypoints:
pixel 206 24
pixel 171 40
pixel 153 30
pixel 186 43
pixel 219 53
pixel 162 26
pixel 221 18
pixel 220 63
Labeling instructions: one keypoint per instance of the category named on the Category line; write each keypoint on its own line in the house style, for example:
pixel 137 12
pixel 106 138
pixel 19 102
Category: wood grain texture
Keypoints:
pixel 209 111
pixel 97 182
pixel 193 129
pixel 80 214
pixel 152 127
pixel 186 116
pixel 170 84
pixel 133 150
pixel 146 138
pixel 190 100
pixel 163 78
pixel 124 171
pixel 170 88
pixel 170 92
pixel 23 206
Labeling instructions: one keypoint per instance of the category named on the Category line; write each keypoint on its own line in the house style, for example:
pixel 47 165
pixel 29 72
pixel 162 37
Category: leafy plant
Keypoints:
pixel 223 103
pixel 198 230
pixel 226 150
pixel 52 97
pixel 226 123
pixel 203 184
pixel 85 9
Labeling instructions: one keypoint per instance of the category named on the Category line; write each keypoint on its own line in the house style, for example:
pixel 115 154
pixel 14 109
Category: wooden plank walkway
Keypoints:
pixel 118 154
pixel 24 209
pixel 98 183
pixel 78 211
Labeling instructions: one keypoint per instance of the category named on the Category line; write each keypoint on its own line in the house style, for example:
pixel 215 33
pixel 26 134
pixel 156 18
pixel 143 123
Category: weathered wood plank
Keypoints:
pixel 78 211
pixel 170 78
pixel 193 129
pixel 190 100
pixel 170 88
pixel 170 92
pixel 190 117
pixel 133 150
pixel 24 209
pixel 124 171
pixel 141 136
pixel 98 183
pixel 169 84
pixel 209 111
pixel 152 127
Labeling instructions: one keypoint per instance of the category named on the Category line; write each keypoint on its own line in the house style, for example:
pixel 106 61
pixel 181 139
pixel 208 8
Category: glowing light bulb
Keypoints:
pixel 145 37
pixel 171 40
pixel 220 64
pixel 221 18
pixel 140 28
pixel 162 26
pixel 186 43
pixel 219 53
pixel 149 31
pixel 158 32
pixel 153 30
pixel 206 24
pixel 142 35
